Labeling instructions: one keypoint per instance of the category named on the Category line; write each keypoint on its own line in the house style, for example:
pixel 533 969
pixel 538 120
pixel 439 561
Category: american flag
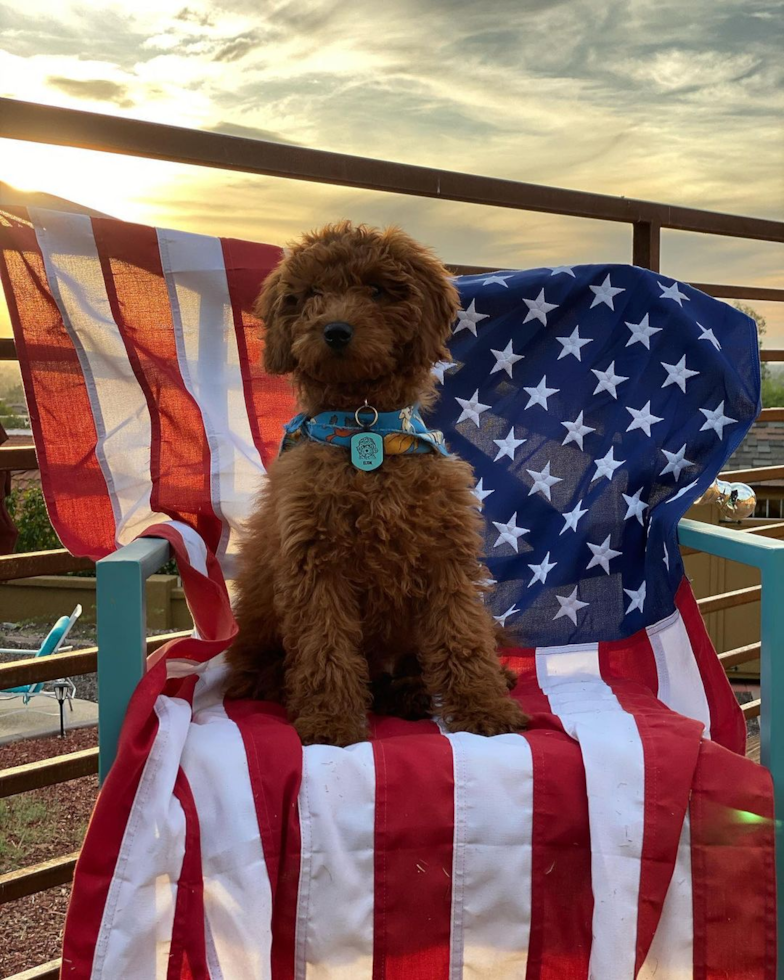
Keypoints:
pixel 622 835
pixel 596 403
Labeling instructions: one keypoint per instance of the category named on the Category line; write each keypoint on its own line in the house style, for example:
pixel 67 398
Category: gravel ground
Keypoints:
pixel 37 826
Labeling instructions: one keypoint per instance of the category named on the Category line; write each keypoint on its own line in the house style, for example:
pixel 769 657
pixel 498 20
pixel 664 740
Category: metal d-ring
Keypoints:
pixel 369 408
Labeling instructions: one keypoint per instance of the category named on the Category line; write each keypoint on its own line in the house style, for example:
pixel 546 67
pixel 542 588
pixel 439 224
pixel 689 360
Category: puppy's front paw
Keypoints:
pixel 498 718
pixel 322 730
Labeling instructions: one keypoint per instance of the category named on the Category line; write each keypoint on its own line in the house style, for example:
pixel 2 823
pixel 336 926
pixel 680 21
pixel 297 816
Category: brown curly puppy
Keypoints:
pixel 361 588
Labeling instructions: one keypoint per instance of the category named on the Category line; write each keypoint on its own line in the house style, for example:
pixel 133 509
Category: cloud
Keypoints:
pixel 250 132
pixel 238 48
pixel 97 89
pixel 193 16
pixel 100 34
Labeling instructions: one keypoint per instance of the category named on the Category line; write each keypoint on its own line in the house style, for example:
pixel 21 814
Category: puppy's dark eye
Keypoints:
pixel 376 291
pixel 290 300
pixel 311 292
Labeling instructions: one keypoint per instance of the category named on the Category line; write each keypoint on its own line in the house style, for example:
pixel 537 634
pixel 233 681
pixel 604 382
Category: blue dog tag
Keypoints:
pixel 367 450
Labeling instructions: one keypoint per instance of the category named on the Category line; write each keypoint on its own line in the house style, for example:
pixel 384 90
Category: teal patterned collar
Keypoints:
pixel 402 432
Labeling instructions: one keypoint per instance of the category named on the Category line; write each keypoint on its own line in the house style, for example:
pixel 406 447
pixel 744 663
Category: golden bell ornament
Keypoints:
pixel 711 495
pixel 734 500
pixel 741 501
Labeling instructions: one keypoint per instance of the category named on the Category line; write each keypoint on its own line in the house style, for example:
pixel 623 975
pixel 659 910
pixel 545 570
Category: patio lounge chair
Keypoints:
pixel 52 644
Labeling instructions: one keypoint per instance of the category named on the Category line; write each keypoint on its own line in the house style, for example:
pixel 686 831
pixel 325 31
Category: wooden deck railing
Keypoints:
pixel 68 127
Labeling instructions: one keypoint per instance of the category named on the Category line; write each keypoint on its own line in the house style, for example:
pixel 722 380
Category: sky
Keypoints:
pixel 679 101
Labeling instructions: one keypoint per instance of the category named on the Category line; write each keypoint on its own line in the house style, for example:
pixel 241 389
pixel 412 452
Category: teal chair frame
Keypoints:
pixel 121 611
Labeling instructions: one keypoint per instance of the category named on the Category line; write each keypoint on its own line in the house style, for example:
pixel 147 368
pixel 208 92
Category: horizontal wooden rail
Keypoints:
pixel 728 600
pixel 766 530
pixel 751 709
pixel 7 349
pixel 740 655
pixel 769 354
pixel 136 137
pixel 47 772
pixel 46 971
pixel 712 289
pixel 18 458
pixel 37 877
pixel 31 670
pixel 767 293
pixel 753 475
pixel 766 415
pixel 41 563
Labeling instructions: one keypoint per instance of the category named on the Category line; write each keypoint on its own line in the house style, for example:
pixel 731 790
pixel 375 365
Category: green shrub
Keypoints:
pixel 9 419
pixel 773 391
pixel 28 512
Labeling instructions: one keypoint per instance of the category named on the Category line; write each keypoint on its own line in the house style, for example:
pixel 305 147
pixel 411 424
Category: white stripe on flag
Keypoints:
pixel 122 418
pixel 491 867
pixel 210 367
pixel 615 780
pixel 337 810
pixel 194 546
pixel 237 893
pixel 134 938
pixel 680 682
pixel 671 956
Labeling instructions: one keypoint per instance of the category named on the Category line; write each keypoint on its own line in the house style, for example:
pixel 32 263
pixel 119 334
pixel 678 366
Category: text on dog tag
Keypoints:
pixel 367 450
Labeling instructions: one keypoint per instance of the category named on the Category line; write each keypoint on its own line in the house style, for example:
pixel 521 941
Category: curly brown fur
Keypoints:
pixel 359 589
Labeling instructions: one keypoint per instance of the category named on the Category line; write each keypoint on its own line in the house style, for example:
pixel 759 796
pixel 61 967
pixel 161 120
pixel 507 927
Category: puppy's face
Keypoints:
pixel 348 307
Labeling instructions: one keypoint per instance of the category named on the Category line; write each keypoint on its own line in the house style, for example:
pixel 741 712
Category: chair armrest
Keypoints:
pixel 121 612
pixel 734 545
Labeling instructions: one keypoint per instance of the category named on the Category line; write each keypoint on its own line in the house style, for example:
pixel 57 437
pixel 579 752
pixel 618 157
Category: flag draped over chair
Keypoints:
pixel 621 836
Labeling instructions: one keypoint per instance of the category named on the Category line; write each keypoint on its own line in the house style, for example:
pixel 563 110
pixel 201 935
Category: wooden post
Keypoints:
pixel 646 245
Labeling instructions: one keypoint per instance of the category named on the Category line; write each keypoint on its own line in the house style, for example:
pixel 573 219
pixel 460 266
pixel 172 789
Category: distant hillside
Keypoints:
pixel 13 197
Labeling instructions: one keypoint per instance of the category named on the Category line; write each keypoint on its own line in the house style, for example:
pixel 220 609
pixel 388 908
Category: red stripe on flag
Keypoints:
pixel 733 868
pixel 208 602
pixel 670 745
pixel 527 692
pixel 188 953
pixel 95 868
pixel 728 727
pixel 631 659
pixel 269 399
pixel 413 857
pixel 139 299
pixel 81 509
pixel 388 726
pixel 561 898
pixel 274 754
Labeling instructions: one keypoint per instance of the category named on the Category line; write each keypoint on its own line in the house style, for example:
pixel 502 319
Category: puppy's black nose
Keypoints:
pixel 338 334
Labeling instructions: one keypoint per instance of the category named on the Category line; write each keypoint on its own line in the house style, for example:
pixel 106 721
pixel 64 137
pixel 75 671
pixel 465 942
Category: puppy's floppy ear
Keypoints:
pixel 439 299
pixel 278 358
